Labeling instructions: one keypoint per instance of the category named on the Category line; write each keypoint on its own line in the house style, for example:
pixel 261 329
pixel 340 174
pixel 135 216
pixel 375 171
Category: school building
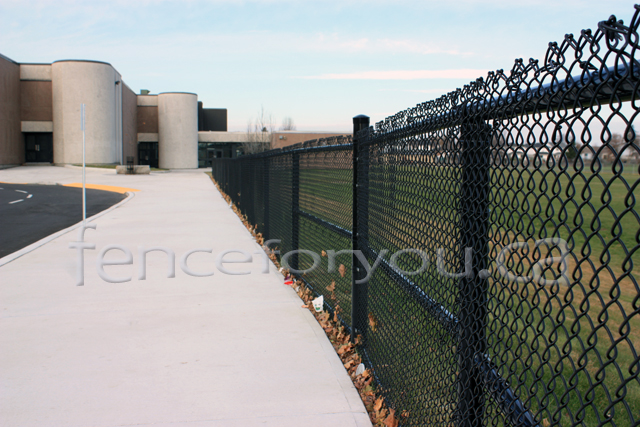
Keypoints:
pixel 40 119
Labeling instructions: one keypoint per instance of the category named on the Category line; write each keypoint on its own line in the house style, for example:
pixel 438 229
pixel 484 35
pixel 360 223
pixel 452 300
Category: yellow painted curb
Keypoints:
pixel 102 187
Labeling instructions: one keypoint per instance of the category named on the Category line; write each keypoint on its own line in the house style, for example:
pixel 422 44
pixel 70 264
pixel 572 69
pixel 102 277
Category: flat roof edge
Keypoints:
pixel 82 60
pixel 8 59
pixel 178 93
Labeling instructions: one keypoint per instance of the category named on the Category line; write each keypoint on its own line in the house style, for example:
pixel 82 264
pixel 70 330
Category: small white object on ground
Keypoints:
pixel 360 369
pixel 318 303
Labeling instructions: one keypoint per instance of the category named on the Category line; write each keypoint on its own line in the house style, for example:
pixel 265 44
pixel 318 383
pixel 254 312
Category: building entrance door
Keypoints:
pixel 148 154
pixel 38 147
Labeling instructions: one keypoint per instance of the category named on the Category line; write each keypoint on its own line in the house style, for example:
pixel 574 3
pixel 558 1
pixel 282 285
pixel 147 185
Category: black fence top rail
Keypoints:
pixel 526 171
pixel 530 88
pixel 320 144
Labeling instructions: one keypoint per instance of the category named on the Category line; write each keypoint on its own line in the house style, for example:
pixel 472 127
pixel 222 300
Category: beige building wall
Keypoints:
pixel 223 137
pixel 129 124
pixel 178 130
pixel 35 72
pixel 36 102
pixel 147 100
pixel 94 84
pixel 37 126
pixel 119 132
pixel 48 98
pixel 11 144
pixel 147 119
pixel 286 138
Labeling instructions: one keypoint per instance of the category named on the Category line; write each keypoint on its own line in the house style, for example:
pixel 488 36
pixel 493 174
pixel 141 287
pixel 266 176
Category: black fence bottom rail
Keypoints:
pixel 447 319
pixel 537 172
pixel 326 224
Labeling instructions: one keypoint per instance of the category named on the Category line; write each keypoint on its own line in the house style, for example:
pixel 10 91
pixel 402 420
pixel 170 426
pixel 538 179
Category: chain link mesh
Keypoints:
pixel 300 196
pixel 505 221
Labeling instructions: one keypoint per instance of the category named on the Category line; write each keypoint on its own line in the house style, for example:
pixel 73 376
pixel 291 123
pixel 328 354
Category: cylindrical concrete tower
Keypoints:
pixel 94 84
pixel 178 130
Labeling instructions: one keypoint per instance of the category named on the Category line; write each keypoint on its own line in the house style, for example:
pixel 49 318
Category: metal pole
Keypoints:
pixel 84 161
pixel 295 207
pixel 265 192
pixel 358 291
pixel 474 229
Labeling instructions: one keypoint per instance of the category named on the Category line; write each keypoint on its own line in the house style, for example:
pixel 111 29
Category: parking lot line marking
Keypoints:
pixel 22 191
pixel 16 201
pixel 29 196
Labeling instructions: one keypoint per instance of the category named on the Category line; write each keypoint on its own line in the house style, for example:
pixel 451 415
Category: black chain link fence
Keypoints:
pixel 301 197
pixel 504 223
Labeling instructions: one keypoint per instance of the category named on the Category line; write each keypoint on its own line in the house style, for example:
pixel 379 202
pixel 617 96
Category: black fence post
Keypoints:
pixel 239 193
pixel 474 228
pixel 227 179
pixel 359 231
pixel 295 207
pixel 265 195
pixel 223 176
pixel 236 172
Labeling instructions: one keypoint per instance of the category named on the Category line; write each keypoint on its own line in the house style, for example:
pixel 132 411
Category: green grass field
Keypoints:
pixel 567 349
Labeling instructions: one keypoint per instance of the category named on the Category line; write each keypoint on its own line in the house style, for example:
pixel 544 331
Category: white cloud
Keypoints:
pixel 414 46
pixel 465 73
pixel 287 43
pixel 403 3
pixel 442 91
pixel 335 42
pixel 426 90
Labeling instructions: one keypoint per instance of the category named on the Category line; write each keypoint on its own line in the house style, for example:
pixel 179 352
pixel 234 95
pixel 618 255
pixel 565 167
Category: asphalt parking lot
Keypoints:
pixel 30 212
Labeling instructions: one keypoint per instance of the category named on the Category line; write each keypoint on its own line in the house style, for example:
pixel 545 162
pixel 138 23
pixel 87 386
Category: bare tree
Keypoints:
pixel 614 147
pixel 287 124
pixel 259 133
pixel 634 144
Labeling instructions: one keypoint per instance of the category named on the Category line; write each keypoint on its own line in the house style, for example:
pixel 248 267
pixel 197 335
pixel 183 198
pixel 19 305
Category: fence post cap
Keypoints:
pixel 360 122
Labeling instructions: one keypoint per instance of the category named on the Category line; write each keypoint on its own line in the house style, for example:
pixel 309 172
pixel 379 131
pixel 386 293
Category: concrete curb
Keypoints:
pixel 11 257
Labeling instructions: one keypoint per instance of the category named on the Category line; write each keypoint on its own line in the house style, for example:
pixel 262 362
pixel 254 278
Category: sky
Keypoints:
pixel 317 62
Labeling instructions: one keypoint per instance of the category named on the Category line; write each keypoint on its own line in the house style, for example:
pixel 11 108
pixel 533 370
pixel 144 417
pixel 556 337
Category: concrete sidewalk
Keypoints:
pixel 224 350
